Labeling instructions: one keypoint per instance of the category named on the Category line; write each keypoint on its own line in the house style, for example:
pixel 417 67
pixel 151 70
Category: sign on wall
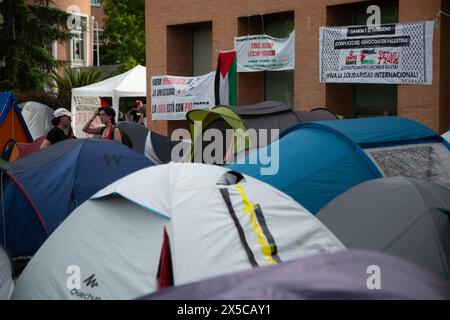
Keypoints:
pixel 173 97
pixel 265 53
pixel 389 54
pixel 82 109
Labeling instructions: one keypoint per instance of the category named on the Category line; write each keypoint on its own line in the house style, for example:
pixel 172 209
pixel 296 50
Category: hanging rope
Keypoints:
pixel 263 26
pixel 438 15
pixel 443 13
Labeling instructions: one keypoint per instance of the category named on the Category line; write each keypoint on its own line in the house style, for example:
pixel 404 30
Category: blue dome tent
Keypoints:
pixel 318 161
pixel 41 190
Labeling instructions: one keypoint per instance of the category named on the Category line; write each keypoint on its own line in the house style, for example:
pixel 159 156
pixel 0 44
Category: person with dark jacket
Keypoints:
pixel 61 121
pixel 135 114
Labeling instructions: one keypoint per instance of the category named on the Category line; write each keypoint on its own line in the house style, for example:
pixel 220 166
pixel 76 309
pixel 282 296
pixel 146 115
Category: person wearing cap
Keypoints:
pixel 61 121
pixel 135 114
pixel 107 117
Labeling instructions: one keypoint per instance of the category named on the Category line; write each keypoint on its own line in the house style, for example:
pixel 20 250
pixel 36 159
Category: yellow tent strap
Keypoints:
pixel 250 210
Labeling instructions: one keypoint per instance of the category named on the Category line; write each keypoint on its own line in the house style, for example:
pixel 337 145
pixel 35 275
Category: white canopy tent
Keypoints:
pixel 132 83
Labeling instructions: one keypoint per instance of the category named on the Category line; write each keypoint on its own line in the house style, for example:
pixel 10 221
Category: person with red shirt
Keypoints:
pixel 107 117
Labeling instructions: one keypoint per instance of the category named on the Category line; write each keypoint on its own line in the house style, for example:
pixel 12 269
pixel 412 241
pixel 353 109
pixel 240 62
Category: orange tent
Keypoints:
pixel 12 124
pixel 11 151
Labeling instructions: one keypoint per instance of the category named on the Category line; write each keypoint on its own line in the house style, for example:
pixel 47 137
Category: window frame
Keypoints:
pixel 84 32
pixel 95 3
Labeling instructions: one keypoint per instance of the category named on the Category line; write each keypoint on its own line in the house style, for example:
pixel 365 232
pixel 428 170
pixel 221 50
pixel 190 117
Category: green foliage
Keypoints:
pixel 124 33
pixel 52 99
pixel 1 17
pixel 26 31
pixel 61 98
pixel 75 79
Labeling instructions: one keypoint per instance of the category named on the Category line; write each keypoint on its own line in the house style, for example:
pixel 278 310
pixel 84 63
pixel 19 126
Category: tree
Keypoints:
pixel 124 33
pixel 26 32
pixel 1 17
pixel 73 79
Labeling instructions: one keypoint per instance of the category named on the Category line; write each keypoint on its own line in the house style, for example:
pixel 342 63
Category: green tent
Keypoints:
pixel 221 118
pixel 246 123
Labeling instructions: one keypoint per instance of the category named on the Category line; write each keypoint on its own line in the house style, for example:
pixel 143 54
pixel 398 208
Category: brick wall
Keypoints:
pixel 99 15
pixel 444 107
pixel 422 103
pixel 63 49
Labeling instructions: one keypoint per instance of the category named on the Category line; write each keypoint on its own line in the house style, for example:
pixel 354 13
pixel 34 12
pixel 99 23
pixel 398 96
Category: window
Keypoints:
pixel 253 87
pixel 279 85
pixel 78 48
pixel 375 99
pixel 201 50
pixel 189 49
pixel 51 48
pixel 97 46
pixel 95 3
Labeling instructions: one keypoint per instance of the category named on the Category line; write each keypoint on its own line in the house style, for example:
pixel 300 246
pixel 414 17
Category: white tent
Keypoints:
pixel 6 282
pixel 38 118
pixel 132 83
pixel 217 222
pixel 446 136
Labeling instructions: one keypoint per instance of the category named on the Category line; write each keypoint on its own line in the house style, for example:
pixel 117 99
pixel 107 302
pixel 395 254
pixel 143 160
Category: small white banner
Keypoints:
pixel 173 97
pixel 265 53
pixel 389 54
pixel 82 110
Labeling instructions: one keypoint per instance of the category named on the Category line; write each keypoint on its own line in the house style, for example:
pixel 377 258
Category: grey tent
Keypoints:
pixel 163 146
pixel 137 133
pixel 265 115
pixel 401 216
pixel 276 115
pixel 154 146
pixel 339 275
pixel 6 282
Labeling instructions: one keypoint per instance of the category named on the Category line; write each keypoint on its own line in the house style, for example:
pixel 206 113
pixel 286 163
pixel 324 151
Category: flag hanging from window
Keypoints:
pixel 226 79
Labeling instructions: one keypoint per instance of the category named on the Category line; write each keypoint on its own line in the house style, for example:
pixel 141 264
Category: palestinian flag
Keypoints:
pixel 226 79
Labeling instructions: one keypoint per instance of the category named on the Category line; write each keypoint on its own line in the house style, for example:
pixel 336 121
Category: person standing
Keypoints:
pixel 135 114
pixel 107 117
pixel 143 119
pixel 61 121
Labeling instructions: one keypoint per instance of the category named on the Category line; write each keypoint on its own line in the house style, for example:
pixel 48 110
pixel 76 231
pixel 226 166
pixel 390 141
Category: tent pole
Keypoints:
pixel 116 101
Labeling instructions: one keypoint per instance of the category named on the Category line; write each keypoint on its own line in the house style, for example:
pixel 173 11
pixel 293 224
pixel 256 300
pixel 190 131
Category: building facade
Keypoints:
pixel 185 37
pixel 83 50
